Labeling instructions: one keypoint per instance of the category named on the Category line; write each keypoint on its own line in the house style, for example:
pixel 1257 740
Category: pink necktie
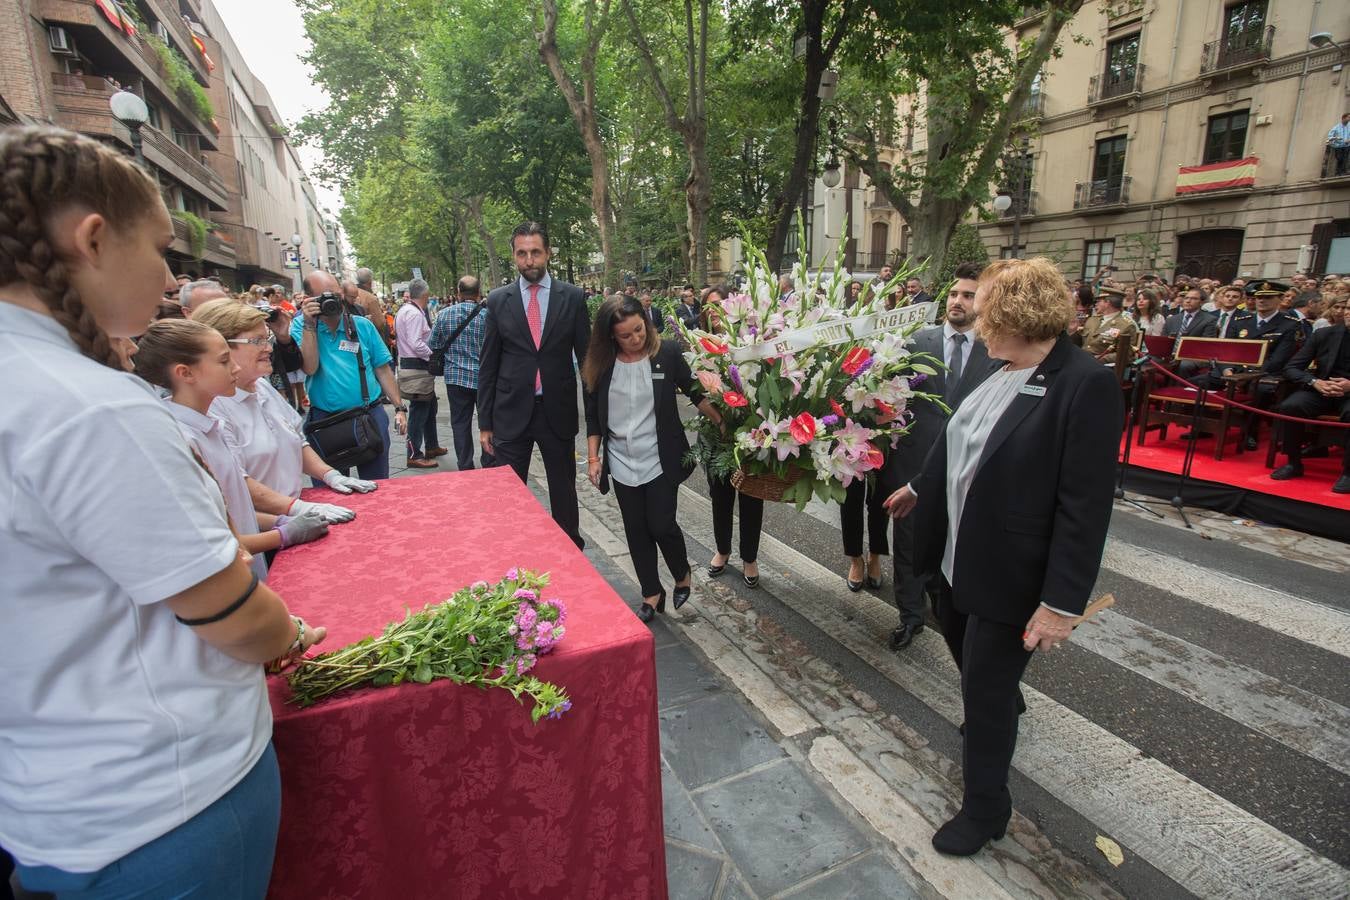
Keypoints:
pixel 536 329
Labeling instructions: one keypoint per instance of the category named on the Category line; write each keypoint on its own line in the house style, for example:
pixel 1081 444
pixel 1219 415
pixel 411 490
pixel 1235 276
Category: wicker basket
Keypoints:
pixel 764 486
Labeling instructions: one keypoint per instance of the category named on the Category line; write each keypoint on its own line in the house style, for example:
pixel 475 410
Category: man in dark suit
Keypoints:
pixel 953 344
pixel 527 385
pixel 1193 320
pixel 1322 394
pixel 687 310
pixel 1282 331
pixel 652 314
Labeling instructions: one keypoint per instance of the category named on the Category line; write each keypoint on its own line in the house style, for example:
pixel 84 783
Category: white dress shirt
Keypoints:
pixel 949 347
pixel 634 458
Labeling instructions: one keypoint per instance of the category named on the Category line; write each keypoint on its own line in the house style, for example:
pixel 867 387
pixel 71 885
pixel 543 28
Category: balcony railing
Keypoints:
pixel 1240 51
pixel 1033 107
pixel 1329 167
pixel 1111 88
pixel 1022 207
pixel 1105 192
pixel 873 261
pixel 189 164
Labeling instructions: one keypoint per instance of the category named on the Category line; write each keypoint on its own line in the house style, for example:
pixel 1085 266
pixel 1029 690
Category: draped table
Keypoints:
pixel 442 790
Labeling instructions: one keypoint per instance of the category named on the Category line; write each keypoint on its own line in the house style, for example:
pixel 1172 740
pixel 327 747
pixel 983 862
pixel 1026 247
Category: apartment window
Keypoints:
pixel 1122 64
pixel 1095 255
pixel 155 119
pixel 1108 169
pixel 1226 137
pixel 1243 25
pixel 243 182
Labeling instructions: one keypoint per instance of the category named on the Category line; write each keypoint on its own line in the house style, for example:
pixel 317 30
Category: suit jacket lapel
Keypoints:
pixel 1023 404
pixel 556 298
pixel 978 366
pixel 514 310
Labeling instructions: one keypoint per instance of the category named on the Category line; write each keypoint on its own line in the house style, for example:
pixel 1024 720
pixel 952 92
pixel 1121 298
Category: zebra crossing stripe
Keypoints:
pixel 1197 838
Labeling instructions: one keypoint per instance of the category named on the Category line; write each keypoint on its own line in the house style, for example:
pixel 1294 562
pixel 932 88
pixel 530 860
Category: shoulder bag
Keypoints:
pixel 352 437
pixel 436 365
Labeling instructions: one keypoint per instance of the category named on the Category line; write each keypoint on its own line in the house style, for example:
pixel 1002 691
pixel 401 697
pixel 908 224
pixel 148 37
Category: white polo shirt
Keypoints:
pixel 206 435
pixel 264 432
pixel 117 723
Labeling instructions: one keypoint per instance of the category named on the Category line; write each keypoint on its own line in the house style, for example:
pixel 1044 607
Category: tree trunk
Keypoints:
pixel 583 108
pixel 489 243
pixel 698 201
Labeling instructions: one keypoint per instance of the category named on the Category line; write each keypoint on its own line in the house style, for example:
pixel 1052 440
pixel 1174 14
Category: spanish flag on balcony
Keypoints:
pixel 114 14
pixel 201 48
pixel 1222 176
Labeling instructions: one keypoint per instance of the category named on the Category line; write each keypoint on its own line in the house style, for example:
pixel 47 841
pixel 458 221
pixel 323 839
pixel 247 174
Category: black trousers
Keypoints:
pixel 863 500
pixel 560 469
pixel 422 434
pixel 1263 397
pixel 752 519
pixel 648 523
pixel 951 622
pixel 992 667
pixel 462 402
pixel 909 588
pixel 1308 404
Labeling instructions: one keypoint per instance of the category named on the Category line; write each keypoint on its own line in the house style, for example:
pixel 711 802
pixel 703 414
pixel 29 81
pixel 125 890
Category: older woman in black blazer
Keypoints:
pixel 1013 506
pixel 631 376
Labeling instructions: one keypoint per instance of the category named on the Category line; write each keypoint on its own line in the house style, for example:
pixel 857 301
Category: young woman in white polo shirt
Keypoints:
pixel 192 361
pixel 264 431
pixel 135 731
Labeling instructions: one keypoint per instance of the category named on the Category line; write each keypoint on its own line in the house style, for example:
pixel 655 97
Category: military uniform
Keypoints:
pixel 1283 332
pixel 1100 332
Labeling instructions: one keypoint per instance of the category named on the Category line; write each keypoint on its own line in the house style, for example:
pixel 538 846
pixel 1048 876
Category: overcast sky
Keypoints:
pixel 272 38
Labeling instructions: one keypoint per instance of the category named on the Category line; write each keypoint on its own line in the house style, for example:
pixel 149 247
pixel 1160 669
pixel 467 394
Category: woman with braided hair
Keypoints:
pixel 136 730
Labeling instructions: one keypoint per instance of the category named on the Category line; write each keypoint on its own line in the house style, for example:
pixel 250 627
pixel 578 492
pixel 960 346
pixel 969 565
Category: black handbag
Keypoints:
pixel 436 365
pixel 352 437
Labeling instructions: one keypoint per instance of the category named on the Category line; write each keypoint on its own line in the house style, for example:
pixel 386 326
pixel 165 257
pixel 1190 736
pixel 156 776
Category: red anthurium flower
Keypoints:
pixel 732 398
pixel 837 409
pixel 855 358
pixel 886 412
pixel 875 459
pixel 803 428
pixel 712 346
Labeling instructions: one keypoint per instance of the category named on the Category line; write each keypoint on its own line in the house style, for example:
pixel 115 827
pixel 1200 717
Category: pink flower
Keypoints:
pixel 803 428
pixel 512 574
pixel 711 382
pixel 525 594
pixel 733 399
pixel 473 639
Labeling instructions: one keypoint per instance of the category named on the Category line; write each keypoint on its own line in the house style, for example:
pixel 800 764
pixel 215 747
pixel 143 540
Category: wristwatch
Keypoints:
pixel 400 407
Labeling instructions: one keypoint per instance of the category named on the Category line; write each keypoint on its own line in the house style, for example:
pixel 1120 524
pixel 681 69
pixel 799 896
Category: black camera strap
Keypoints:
pixel 354 335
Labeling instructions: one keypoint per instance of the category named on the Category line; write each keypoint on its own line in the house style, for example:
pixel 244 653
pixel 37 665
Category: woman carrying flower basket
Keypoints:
pixel 631 376
pixel 720 490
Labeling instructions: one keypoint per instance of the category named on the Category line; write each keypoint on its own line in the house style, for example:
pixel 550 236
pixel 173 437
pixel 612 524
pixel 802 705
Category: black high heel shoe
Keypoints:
pixel 646 612
pixel 962 836
pixel 681 594
pixel 714 571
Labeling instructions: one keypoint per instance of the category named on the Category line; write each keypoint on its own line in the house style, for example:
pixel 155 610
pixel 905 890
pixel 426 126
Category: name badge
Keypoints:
pixel 657 376
pixel 1032 390
pixel 349 346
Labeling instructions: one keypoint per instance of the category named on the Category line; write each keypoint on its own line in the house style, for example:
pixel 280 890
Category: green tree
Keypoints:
pixel 965 247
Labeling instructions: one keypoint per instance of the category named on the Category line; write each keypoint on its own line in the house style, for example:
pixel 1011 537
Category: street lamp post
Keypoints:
pixel 296 279
pixel 131 111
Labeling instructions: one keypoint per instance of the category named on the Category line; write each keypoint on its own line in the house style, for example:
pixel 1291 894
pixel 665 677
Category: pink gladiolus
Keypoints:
pixel 803 428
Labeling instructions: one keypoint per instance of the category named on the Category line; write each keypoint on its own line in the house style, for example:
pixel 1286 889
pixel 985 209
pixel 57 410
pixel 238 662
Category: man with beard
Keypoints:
pixel 527 385
pixel 955 345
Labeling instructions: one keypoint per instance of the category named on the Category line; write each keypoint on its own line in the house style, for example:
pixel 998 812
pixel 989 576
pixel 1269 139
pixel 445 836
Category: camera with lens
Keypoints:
pixel 272 314
pixel 330 304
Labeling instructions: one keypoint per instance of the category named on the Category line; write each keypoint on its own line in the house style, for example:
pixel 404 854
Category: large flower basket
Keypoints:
pixel 767 485
pixel 813 389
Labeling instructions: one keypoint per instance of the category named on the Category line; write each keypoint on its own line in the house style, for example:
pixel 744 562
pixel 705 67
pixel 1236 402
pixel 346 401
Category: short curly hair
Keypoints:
pixel 1025 298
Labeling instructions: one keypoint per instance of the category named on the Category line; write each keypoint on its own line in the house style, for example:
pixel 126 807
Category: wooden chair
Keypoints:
pixel 1172 402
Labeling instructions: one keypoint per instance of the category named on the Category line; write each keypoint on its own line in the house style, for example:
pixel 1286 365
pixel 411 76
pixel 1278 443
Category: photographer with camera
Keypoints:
pixel 344 359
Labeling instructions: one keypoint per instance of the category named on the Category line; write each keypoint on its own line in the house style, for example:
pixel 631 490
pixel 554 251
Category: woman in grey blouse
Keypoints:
pixel 631 376
pixel 1013 506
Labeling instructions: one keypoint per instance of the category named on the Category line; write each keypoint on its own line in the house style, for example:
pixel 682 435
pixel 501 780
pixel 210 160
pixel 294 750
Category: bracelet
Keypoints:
pixel 591 459
pixel 299 643
pixel 207 620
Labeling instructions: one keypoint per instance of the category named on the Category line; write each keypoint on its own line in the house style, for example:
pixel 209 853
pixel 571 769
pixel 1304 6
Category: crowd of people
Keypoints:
pixel 193 418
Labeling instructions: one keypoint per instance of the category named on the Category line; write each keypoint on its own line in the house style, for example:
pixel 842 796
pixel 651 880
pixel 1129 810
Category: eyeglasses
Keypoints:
pixel 252 342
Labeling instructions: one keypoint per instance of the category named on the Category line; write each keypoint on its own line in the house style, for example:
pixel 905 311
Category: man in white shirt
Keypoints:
pixel 412 327
pixel 1338 139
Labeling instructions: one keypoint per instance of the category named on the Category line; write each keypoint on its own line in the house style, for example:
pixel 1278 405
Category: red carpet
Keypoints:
pixel 1246 471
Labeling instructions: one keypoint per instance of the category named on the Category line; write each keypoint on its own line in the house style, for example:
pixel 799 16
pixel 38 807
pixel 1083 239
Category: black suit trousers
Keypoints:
pixel 1306 403
pixel 724 499
pixel 909 587
pixel 951 621
pixel 560 468
pixel 649 523
pixel 863 501
pixel 992 667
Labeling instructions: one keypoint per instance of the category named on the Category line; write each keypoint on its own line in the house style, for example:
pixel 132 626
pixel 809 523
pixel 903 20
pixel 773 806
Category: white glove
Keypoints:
pixel 326 511
pixel 344 485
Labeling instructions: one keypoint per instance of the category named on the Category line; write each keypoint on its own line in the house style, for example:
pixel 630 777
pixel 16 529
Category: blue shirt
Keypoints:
pixel 336 385
pixel 1339 135
pixel 461 360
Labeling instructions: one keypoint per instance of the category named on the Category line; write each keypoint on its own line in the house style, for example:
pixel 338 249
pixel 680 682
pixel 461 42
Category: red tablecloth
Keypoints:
pixel 442 790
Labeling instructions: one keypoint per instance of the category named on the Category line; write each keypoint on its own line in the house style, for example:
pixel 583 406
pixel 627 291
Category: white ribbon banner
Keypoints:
pixel 837 331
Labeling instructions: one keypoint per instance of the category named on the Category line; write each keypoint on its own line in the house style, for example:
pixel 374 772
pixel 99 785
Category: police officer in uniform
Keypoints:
pixel 1281 330
pixel 1108 322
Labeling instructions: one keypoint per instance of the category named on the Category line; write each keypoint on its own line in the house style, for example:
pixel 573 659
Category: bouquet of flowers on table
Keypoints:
pixel 488 635
pixel 813 392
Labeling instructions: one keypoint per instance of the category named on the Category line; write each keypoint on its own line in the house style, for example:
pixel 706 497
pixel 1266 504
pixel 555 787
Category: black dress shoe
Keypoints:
pixel 1342 485
pixel 1249 443
pixel 681 595
pixel 853 586
pixel 963 836
pixel 714 571
pixel 874 583
pixel 1287 471
pixel 751 581
pixel 902 636
pixel 646 612
pixel 1194 435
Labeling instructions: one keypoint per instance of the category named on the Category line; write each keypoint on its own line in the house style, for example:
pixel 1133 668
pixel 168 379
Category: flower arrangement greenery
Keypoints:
pixel 198 228
pixel 489 635
pixel 813 391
